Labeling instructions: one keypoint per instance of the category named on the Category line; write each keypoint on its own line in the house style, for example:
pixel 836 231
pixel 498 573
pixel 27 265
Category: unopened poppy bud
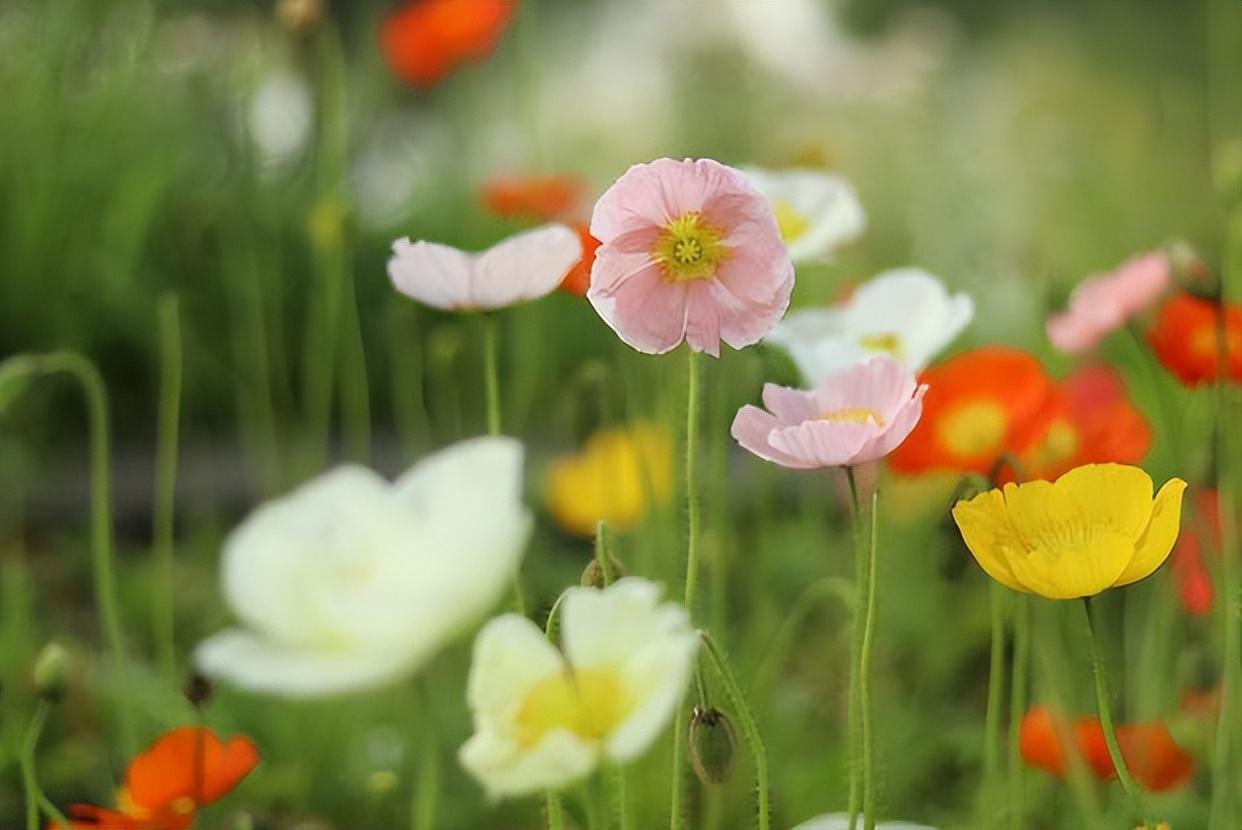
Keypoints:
pixel 1191 272
pixel 713 745
pixel 15 376
pixel 197 690
pixel 51 670
pixel 593 575
pixel 300 16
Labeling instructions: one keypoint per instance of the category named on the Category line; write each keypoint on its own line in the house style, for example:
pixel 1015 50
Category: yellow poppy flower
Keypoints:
pixel 1096 527
pixel 620 474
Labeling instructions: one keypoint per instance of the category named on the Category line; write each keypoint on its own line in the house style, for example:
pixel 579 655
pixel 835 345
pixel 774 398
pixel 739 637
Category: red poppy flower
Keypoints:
pixel 1088 419
pixel 426 40
pixel 1152 756
pixel 979 406
pixel 165 785
pixel 1193 580
pixel 578 279
pixel 1185 340
pixel 542 198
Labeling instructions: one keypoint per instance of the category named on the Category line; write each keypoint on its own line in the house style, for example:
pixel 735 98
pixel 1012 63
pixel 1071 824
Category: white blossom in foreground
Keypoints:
pixel 526 266
pixel 544 718
pixel 905 313
pixel 350 582
pixel 816 212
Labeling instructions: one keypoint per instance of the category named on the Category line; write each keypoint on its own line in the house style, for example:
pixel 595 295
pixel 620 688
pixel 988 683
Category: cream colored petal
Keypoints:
pixel 558 760
pixel 1157 540
pixel 990 536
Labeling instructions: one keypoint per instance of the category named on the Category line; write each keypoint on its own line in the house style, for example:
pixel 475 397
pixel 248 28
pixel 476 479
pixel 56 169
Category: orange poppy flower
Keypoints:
pixel 979 405
pixel 532 197
pixel 1185 340
pixel 425 40
pixel 1088 419
pixel 1152 756
pixel 1192 578
pixel 166 784
pixel 578 278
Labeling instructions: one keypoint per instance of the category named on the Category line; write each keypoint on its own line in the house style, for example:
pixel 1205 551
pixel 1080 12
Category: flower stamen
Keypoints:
pixel 689 248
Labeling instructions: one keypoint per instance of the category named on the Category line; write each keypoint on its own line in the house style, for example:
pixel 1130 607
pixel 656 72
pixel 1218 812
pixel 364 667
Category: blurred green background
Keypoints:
pixel 260 174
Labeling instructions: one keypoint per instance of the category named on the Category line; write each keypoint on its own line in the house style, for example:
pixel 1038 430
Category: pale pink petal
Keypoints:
pixel 654 193
pixel 752 302
pixel 1141 281
pixel 824 443
pixel 898 428
pixel 646 310
pixel 704 311
pixel 525 266
pixel 1079 330
pixel 752 428
pixel 881 384
pixel 436 275
pixel 791 406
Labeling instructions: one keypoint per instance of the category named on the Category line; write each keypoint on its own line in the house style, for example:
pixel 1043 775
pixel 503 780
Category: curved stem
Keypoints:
pixel 1017 707
pixel 1106 715
pixel 35 799
pixel 750 729
pixel 853 709
pixel 166 484
pixel 996 683
pixel 823 588
pixel 692 567
pixel 864 677
pixel 88 378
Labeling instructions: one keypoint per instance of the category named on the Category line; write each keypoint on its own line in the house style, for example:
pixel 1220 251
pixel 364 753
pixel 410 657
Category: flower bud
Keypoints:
pixel 51 671
pixel 15 376
pixel 300 16
pixel 713 745
pixel 593 574
pixel 197 690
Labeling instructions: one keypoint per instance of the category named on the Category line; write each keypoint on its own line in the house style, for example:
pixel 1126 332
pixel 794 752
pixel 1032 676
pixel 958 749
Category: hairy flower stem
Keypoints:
pixel 1017 706
pixel 749 727
pixel 91 382
pixel 996 690
pixel 168 420
pixel 853 713
pixel 680 724
pixel 1104 705
pixel 864 676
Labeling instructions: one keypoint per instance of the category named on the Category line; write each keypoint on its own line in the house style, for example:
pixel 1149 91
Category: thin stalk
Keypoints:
pixel 854 706
pixel 625 818
pixel 676 819
pixel 1104 706
pixel 602 558
pixel 824 588
pixel 165 499
pixel 750 729
pixel 35 798
pixel 555 811
pixel 1017 707
pixel 996 689
pixel 864 676
pixel 491 374
pixel 427 784
pixel 93 388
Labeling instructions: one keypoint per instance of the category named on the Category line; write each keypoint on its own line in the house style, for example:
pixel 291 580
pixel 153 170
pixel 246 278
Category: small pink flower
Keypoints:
pixel 857 415
pixel 525 266
pixel 1104 303
pixel 690 252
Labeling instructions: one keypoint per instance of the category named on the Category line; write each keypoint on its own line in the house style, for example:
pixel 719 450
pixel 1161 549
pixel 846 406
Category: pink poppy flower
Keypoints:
pixel 857 415
pixel 691 251
pixel 1106 302
pixel 525 266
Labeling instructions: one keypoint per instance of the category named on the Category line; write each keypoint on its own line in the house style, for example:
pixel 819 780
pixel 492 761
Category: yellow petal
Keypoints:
pixel 990 536
pixel 1156 543
pixel 1072 571
pixel 1115 496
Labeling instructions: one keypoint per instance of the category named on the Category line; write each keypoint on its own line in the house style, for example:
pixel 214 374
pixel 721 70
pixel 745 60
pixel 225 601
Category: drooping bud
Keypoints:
pixel 15 375
pixel 713 745
pixel 51 671
pixel 197 690
pixel 593 575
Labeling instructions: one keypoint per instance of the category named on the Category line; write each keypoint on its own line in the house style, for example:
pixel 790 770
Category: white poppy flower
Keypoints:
pixel 544 718
pixel 816 212
pixel 350 582
pixel 841 821
pixel 525 266
pixel 905 313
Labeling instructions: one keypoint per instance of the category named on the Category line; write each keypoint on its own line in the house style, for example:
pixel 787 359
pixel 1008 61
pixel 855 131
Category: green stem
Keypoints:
pixel 491 374
pixel 1017 707
pixel 602 557
pixel 676 819
pixel 749 727
pixel 35 798
pixel 164 503
pixel 93 388
pixel 853 710
pixel 555 811
pixel 424 805
pixel 996 684
pixel 824 588
pixel 625 820
pixel 864 676
pixel 1104 706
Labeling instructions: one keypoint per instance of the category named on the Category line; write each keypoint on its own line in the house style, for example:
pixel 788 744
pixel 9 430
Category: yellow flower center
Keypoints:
pixel 791 224
pixel 853 415
pixel 1058 446
pixel 888 343
pixel 689 248
pixel 974 429
pixel 589 703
